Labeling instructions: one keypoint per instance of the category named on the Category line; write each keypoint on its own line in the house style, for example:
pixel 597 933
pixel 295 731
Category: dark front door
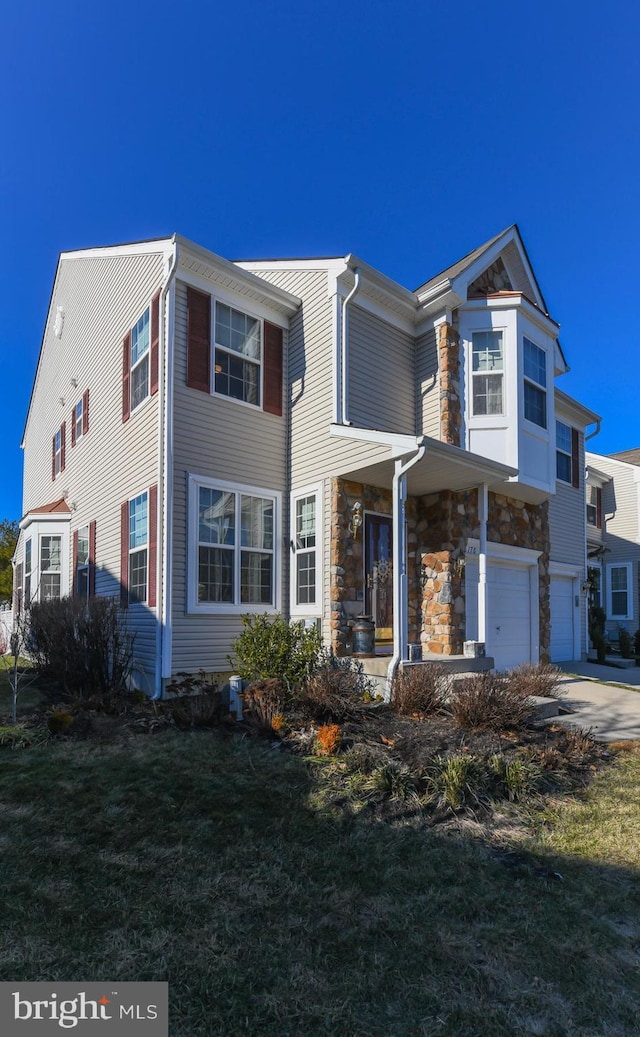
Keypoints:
pixel 378 562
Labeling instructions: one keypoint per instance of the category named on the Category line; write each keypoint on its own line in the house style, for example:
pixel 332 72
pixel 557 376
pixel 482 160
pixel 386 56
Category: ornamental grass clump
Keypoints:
pixel 540 679
pixel 264 701
pixel 457 781
pixel 337 691
pixel 419 690
pixel 488 701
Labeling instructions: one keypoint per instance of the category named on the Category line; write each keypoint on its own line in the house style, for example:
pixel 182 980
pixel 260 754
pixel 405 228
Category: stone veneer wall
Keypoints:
pixel 449 365
pixel 444 523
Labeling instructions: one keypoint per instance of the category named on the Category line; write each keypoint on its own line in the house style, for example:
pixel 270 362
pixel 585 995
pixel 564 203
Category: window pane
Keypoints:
pixel 535 363
pixel 140 338
pixel 487 350
pixel 257 523
pixel 83 545
pixel 306 577
pixel 49 586
pixel 138 522
pixel 237 331
pixel 535 405
pixel 563 437
pixel 618 603
pixel 140 382
pixel 256 578
pixel 50 553
pixel 217 520
pixel 306 522
pixel 563 467
pixel 487 394
pixel 215 574
pixel 82 583
pixel 27 557
pixel 619 578
pixel 78 419
pixel 138 575
pixel 237 378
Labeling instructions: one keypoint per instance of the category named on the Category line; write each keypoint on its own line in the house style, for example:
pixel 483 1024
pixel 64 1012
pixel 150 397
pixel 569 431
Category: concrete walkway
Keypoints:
pixel 611 710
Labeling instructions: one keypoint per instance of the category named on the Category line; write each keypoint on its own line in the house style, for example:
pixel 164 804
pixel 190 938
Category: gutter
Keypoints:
pixel 165 479
pixel 344 354
pixel 400 590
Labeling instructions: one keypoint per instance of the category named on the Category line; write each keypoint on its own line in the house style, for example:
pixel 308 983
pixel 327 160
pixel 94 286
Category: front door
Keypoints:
pixel 378 563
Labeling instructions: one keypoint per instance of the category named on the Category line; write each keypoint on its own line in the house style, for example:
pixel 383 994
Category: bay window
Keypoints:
pixel 50 567
pixel 563 452
pixel 487 369
pixel 535 384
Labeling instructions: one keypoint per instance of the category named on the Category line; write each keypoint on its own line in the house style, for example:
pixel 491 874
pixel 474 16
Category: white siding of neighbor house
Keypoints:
pixel 428 385
pixel 102 298
pixel 621 529
pixel 382 374
pixel 222 439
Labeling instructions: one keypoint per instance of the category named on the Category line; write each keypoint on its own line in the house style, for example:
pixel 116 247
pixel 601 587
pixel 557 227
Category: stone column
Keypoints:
pixel 449 368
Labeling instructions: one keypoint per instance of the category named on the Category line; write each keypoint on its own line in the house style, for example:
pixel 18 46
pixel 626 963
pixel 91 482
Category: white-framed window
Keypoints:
pixel 535 383
pixel 57 453
pixel 238 354
pixel 78 424
pixel 619 592
pixel 233 547
pixel 306 540
pixel 50 567
pixel 140 343
pixel 487 372
pixel 138 547
pixel 564 470
pixel 82 563
pixel 594 506
pixel 28 568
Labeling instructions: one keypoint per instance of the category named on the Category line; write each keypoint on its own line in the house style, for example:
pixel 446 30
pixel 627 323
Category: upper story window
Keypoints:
pixel 58 451
pixel 82 563
pixel 487 372
pixel 564 470
pixel 140 341
pixel 80 418
pixel 138 544
pixel 535 384
pixel 238 355
pixel 594 506
pixel 77 421
pixel 50 567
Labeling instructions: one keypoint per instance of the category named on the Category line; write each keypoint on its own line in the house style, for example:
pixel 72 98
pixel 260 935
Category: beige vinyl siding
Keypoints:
pixel 102 299
pixel 428 385
pixel 621 533
pixel 381 374
pixel 218 438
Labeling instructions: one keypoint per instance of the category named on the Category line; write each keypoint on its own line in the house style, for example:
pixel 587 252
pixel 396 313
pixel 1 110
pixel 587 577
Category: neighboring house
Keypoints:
pixel 207 439
pixel 613 538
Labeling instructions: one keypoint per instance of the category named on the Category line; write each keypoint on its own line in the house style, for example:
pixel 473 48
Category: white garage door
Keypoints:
pixel 509 612
pixel 562 619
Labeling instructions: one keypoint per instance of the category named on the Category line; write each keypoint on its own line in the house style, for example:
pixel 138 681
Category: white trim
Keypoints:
pixel 517 558
pixel 629 590
pixel 165 494
pixel 504 552
pixel 194 482
pixel 316 609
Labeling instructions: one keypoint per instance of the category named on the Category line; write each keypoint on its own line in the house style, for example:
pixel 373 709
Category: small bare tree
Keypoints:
pixel 19 677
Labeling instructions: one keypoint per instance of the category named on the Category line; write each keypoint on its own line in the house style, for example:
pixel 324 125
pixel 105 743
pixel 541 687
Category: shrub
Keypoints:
pixel 625 643
pixel 490 702
pixel 515 779
pixel 271 647
pixel 540 679
pixel 329 737
pixel 266 699
pixel 457 781
pixel 336 691
pixel 393 780
pixel 59 722
pixel 83 645
pixel 198 703
pixel 419 689
pixel 597 617
pixel 18 736
pixel 636 643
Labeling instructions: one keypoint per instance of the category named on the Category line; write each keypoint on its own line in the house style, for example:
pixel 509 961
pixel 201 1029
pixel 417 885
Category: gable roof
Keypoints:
pixel 630 456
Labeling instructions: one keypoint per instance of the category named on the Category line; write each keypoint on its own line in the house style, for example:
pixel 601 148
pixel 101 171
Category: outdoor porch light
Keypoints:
pixel 356 518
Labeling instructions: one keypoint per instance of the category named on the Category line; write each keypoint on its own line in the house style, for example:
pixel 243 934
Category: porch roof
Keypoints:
pixel 443 467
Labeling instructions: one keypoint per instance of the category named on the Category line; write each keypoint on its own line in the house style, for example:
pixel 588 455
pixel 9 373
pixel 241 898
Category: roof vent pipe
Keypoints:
pixel 344 353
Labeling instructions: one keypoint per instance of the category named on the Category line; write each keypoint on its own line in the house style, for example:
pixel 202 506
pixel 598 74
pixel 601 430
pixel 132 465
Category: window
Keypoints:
pixel 535 384
pixel 28 565
pixel 138 544
pixel 233 553
pixel 50 567
pixel 563 452
pixel 619 604
pixel 58 451
pixel 238 349
pixel 140 341
pixel 487 372
pixel 80 419
pixel 305 516
pixel 82 563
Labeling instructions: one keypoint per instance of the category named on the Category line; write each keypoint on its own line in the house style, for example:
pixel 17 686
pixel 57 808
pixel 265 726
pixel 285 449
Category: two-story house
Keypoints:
pixel 207 439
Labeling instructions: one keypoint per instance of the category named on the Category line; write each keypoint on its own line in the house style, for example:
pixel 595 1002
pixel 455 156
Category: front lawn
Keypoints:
pixel 274 907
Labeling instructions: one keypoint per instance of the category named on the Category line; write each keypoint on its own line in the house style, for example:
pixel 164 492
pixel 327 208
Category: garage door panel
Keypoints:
pixel 562 609
pixel 509 612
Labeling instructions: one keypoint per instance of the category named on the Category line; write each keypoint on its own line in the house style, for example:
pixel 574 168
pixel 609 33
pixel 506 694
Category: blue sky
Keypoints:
pixel 406 132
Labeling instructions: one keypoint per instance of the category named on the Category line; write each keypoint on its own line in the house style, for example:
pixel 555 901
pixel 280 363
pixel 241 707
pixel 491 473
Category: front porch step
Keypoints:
pixel 377 666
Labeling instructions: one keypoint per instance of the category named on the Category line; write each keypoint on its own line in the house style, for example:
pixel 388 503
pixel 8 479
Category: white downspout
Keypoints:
pixel 344 353
pixel 165 479
pixel 483 512
pixel 400 591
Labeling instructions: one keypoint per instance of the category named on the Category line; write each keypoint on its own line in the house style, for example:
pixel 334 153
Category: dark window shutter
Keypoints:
pixel 198 340
pixel 73 427
pixel 272 369
pixel 126 377
pixel 153 545
pixel 598 507
pixel 63 446
pixel 53 458
pixel 85 412
pixel 155 344
pixel 124 554
pixel 92 559
pixel 575 458
pixel 74 570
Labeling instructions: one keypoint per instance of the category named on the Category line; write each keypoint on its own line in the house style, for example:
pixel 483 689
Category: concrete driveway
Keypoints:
pixel 602 698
